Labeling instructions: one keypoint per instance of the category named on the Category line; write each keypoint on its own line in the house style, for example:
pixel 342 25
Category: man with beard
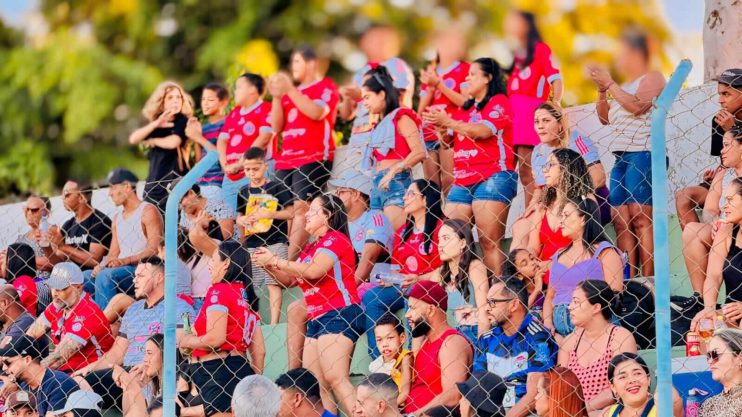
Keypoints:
pixel 141 320
pixel 79 329
pixel 518 348
pixel 445 355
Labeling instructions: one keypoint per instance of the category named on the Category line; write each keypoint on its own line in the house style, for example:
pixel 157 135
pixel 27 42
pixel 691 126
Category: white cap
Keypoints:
pixel 65 274
pixel 81 400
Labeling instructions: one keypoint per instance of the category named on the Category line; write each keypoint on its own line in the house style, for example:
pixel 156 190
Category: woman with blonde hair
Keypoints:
pixel 167 111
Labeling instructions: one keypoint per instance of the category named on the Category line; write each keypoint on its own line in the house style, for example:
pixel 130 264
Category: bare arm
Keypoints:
pixel 349 104
pixel 369 255
pixel 602 107
pixel 168 142
pixel 38 328
pixel 221 147
pixel 307 106
pixel 527 403
pixel 649 88
pixel 715 269
pixel 455 358
pixel 137 136
pixel 257 350
pixel 411 133
pixel 711 209
pixel 152 225
pixel 201 241
pixel 612 269
pixel 425 100
pixel 480 282
pixel 316 268
pixel 557 90
pixel 277 116
pixel 114 356
pixel 549 308
pixel 85 258
pixel 263 139
pixel 597 175
pixel 216 332
pixel 405 381
pixel 62 352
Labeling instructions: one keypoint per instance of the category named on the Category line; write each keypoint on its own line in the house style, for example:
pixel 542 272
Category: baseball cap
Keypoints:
pixel 121 175
pixel 20 399
pixel 81 400
pixel 355 180
pixel 731 77
pixel 65 274
pixel 22 346
pixel 485 392
pixel 429 292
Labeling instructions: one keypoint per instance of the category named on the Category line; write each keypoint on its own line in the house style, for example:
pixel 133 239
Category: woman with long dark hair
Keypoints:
pixel 533 77
pixel 325 272
pixel 395 147
pixel 484 178
pixel 19 267
pixel 527 267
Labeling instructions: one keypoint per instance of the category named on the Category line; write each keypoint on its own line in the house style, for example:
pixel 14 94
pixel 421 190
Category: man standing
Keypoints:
pixel 300 395
pixel 445 355
pixel 377 396
pixel 80 331
pixel 14 317
pixel 518 348
pixel 85 238
pixel 137 230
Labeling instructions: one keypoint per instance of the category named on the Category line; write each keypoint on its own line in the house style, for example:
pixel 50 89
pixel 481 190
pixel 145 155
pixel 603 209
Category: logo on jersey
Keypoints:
pixel 236 139
pixel 411 263
pixel 248 128
pixel 496 112
pixel 154 328
pixel 449 83
pixel 293 114
pixel 515 84
pixel 359 235
pixel 475 117
pixel 525 73
pixel 76 327
pixel 326 95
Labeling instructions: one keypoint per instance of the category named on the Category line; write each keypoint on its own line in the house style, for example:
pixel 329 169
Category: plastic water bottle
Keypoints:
pixel 187 329
pixel 44 228
pixel 692 404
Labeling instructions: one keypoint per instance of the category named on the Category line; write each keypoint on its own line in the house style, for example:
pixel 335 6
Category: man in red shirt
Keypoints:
pixel 79 329
pixel 445 355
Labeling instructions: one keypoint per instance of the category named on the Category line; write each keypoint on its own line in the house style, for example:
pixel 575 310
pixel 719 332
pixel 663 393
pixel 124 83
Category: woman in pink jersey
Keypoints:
pixel 485 181
pixel 325 272
pixel 533 76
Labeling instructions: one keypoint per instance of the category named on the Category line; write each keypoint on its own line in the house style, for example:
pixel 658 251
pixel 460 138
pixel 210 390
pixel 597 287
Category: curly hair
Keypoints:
pixel 574 181
pixel 154 105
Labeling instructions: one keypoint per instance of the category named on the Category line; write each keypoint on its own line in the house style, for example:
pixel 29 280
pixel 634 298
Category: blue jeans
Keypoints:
pixel 231 188
pixel 501 187
pixel 376 302
pixel 392 196
pixel 109 282
pixel 631 179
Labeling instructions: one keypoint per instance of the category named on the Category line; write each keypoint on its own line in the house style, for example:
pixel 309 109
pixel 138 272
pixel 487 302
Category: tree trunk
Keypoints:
pixel 722 36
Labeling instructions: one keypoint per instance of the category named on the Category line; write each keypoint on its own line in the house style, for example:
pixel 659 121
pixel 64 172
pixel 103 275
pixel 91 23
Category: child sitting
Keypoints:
pixel 394 360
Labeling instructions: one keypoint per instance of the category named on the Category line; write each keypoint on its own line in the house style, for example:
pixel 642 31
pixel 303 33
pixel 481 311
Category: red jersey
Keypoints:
pixel 476 160
pixel 401 146
pixel 27 292
pixel 452 77
pixel 230 298
pixel 337 288
pixel 241 128
pixel 534 80
pixel 411 255
pixel 306 140
pixel 85 324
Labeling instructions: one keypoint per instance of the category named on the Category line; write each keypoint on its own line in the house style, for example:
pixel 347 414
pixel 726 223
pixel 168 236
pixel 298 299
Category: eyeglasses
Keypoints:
pixel 411 193
pixel 713 356
pixel 548 165
pixel 492 302
pixel 33 209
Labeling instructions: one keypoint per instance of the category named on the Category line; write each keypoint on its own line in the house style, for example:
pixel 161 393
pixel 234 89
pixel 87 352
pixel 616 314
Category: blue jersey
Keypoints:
pixel 372 227
pixel 578 142
pixel 530 349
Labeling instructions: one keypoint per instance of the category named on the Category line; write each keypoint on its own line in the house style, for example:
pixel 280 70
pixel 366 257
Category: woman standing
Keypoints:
pixel 533 77
pixel 725 360
pixel 325 272
pixel 167 111
pixel 631 177
pixel 484 178
pixel 396 145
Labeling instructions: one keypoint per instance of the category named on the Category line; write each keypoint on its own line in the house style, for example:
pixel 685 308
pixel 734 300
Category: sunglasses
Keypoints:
pixel 33 209
pixel 713 356
pixel 492 302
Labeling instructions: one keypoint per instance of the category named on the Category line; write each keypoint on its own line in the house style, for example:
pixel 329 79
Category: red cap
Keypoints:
pixel 429 292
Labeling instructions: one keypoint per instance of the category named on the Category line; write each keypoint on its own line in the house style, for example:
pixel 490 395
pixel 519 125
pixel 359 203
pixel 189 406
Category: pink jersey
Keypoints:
pixel 229 298
pixel 241 128
pixel 476 160
pixel 534 80
pixel 87 325
pixel 337 288
pixel 453 77
pixel 306 140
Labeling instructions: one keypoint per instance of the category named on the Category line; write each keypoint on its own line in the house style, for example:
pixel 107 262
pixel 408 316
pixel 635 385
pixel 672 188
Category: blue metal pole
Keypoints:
pixel 659 222
pixel 171 266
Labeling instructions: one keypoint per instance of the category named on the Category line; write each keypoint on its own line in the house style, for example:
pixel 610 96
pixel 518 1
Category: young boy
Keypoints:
pixel 264 207
pixel 395 360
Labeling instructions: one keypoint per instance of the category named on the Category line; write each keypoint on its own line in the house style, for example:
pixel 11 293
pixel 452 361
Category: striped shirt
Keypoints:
pixel 215 175
pixel 630 132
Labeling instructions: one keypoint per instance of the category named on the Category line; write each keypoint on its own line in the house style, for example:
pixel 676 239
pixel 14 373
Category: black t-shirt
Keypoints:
pixel 95 229
pixel 717 138
pixel 278 232
pixel 163 163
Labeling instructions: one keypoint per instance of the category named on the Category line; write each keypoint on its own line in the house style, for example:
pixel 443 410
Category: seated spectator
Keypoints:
pixel 445 355
pixel 485 181
pixel 194 206
pixel 482 395
pixel 79 329
pixel 256 396
pixel 136 231
pixel 395 360
pixel 300 395
pixel 725 360
pixel 395 145
pixel 14 318
pixel 589 349
pixel 519 348
pixel 81 404
pixel 155 409
pixel 19 269
pixel 590 255
pixel 265 207
pixel 630 380
pixel 325 272
pixel 224 329
pixel 525 266
pixel 141 320
pixel 560 394
pixel 35 208
pixel 21 362
pixel 21 404
pixel 377 396
pixel 85 238
pixel 197 263
pixel 566 177
pixel 554 132
pixel 729 91
pixel 699 238
pixel 465 278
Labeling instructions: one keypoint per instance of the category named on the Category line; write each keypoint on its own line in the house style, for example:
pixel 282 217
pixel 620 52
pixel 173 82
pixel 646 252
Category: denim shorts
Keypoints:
pixel 349 321
pixel 432 146
pixel 562 322
pixel 631 179
pixel 394 194
pixel 500 187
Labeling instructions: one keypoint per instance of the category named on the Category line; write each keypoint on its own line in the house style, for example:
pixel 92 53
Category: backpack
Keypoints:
pixel 682 311
pixel 637 313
